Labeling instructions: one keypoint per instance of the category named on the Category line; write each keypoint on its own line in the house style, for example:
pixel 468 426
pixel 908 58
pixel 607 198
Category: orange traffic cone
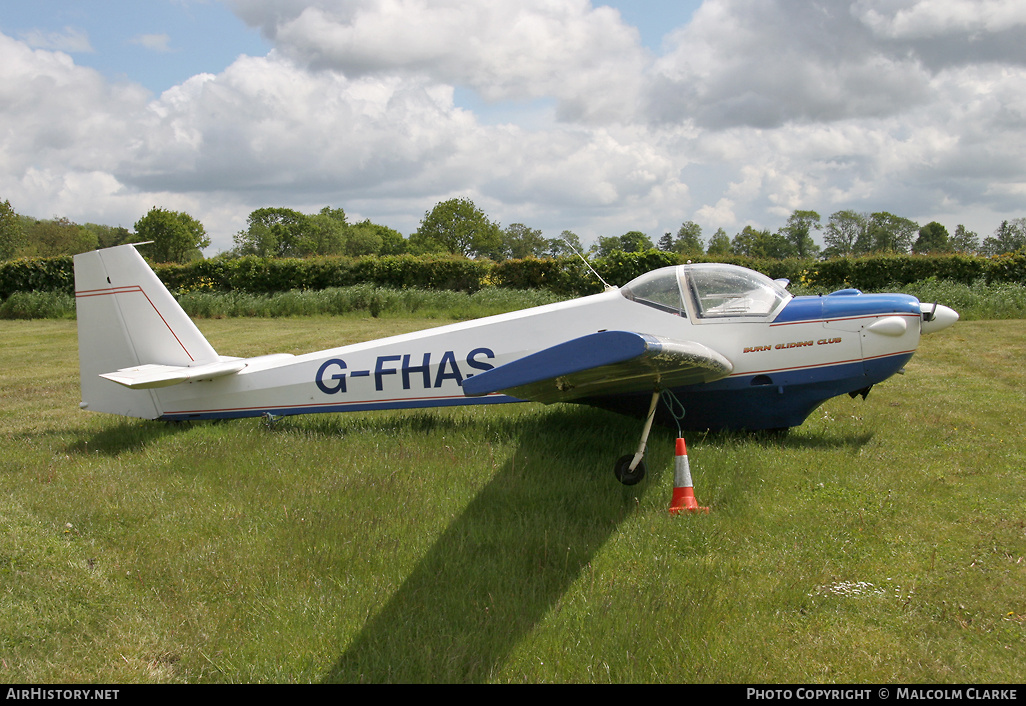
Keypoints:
pixel 683 492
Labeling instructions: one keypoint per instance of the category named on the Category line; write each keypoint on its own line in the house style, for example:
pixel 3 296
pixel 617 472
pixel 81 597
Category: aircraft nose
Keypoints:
pixel 936 317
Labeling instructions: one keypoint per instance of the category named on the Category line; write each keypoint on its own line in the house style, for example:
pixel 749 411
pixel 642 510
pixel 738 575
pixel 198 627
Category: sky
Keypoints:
pixel 599 118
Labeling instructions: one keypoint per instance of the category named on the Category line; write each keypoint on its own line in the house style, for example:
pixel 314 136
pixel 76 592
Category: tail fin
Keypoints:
pixel 128 319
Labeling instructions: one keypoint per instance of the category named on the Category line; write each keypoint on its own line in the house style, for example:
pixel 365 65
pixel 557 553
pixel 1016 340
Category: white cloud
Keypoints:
pixel 267 130
pixel 160 43
pixel 722 213
pixel 947 33
pixel 55 113
pixel 915 19
pixel 266 124
pixel 585 57
pixel 763 63
pixel 71 40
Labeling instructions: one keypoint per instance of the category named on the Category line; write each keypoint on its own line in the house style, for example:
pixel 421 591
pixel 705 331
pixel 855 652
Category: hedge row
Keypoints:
pixel 258 275
pixel 564 276
pixel 49 274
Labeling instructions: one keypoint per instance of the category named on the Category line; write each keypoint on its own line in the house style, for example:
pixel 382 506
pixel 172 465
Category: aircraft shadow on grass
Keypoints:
pixel 518 546
pixel 125 436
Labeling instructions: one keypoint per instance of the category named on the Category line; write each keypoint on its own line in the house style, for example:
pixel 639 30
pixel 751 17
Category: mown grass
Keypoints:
pixel 883 541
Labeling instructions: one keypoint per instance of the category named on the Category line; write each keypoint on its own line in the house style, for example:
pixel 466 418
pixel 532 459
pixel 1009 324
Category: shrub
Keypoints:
pixel 38 305
pixel 37 274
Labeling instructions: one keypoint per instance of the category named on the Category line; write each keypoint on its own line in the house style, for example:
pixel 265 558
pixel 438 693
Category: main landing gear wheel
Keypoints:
pixel 623 472
pixel 622 468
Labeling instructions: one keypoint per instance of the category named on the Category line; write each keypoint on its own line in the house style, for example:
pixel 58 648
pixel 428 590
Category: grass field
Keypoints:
pixel 884 541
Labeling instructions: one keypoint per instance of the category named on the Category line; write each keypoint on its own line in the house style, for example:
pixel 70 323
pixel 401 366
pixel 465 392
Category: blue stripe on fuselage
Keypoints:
pixel 423 403
pixel 845 304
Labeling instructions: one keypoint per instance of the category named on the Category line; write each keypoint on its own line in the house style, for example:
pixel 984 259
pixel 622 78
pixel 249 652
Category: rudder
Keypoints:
pixel 128 318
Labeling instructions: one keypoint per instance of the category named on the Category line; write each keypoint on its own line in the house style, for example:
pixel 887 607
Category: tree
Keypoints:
pixel 519 241
pixel 1008 237
pixel 605 246
pixel 933 238
pixel 635 241
pixel 798 232
pixel 176 236
pixel 564 245
pixel 719 243
pixel 745 242
pixel 965 241
pixel 632 241
pixel 10 232
pixel 459 227
pixel 326 233
pixel 890 233
pixel 392 241
pixel 58 236
pixel 845 233
pixel 363 240
pixel 275 232
pixel 689 239
pixel 751 242
pixel 109 236
pixel 385 240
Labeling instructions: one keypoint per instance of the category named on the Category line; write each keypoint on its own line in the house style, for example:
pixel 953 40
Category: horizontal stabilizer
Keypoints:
pixel 608 362
pixel 145 377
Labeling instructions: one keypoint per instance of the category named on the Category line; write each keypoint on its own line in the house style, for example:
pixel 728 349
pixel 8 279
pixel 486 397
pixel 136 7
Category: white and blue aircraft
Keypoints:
pixel 734 347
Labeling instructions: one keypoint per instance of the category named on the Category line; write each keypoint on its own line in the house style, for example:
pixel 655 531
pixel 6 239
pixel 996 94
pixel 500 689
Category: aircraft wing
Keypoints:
pixel 607 362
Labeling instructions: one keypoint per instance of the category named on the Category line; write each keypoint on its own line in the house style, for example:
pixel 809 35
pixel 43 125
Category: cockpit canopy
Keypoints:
pixel 708 291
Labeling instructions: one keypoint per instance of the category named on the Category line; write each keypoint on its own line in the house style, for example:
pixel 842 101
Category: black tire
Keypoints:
pixel 623 473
